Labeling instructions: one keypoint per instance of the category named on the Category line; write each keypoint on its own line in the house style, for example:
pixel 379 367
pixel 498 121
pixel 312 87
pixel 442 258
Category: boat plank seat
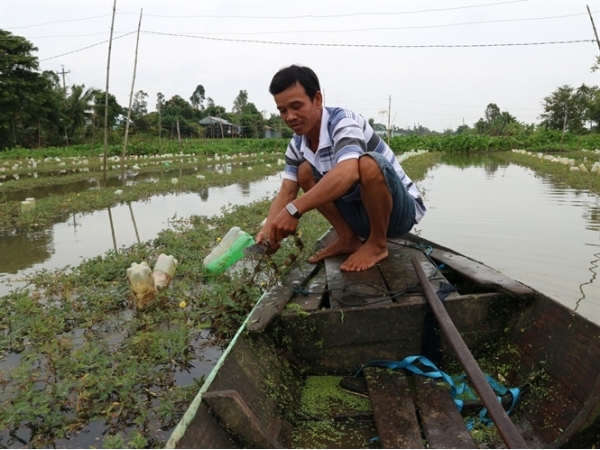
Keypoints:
pixel 315 292
pixel 438 423
pixel 444 426
pixel 399 273
pixel 393 409
pixel 349 289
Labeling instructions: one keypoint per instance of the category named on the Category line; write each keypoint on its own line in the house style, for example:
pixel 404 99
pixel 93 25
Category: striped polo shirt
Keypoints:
pixel 345 135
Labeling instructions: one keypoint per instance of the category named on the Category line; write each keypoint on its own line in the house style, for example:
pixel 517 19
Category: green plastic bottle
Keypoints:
pixel 228 252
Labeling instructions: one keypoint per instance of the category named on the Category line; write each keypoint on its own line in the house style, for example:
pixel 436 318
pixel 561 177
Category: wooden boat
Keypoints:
pixel 323 324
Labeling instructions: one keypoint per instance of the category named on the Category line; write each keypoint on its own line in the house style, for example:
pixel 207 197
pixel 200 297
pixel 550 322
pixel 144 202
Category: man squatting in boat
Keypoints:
pixel 346 171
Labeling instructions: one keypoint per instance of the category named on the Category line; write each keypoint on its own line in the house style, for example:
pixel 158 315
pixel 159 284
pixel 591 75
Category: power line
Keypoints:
pixel 308 44
pixel 331 16
pixel 306 16
pixel 353 30
pixel 85 48
pixel 56 21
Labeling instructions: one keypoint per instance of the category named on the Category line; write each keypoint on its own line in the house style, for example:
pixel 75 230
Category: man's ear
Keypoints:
pixel 318 100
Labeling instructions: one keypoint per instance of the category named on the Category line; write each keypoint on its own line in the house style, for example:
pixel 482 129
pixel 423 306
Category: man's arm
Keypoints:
pixel 287 193
pixel 332 186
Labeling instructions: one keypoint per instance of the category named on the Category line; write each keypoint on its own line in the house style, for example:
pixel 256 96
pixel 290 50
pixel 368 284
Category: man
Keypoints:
pixel 346 172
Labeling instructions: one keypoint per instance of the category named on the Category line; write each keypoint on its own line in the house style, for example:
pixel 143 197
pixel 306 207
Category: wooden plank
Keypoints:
pixel 348 289
pixel 252 365
pixel 470 268
pixel 399 274
pixel 393 409
pixel 272 303
pixel 236 416
pixel 204 432
pixel 569 346
pixel 316 292
pixel 444 426
pixel 339 340
pixel 482 274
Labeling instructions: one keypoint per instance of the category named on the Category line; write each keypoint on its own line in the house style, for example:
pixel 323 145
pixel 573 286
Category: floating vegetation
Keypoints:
pixel 329 417
pixel 74 351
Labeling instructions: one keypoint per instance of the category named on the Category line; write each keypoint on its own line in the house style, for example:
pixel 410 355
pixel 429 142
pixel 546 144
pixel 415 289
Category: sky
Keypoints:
pixel 435 64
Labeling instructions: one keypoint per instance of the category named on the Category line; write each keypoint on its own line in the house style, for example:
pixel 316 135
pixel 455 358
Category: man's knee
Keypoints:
pixel 306 178
pixel 369 169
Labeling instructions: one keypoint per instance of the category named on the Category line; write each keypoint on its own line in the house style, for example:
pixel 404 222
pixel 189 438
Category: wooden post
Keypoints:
pixel 178 135
pixel 124 152
pixel 112 26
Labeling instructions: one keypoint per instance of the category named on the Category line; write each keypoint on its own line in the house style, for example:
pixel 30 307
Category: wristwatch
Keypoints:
pixel 293 210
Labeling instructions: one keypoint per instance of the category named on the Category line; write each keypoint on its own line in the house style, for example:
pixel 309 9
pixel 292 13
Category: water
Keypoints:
pixel 505 216
pixel 89 235
pixel 520 224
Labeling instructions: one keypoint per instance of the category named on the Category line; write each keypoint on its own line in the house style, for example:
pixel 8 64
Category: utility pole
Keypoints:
pixel 63 73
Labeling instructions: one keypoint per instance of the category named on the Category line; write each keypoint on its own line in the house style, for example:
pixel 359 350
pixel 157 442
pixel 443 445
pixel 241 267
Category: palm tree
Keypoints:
pixel 79 105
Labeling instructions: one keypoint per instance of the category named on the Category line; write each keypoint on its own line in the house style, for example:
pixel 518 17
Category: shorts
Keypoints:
pixel 350 205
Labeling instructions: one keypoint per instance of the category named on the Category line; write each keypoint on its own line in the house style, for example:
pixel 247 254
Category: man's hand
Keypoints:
pixel 282 226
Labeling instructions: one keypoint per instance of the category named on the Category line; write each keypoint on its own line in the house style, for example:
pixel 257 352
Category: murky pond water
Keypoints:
pixel 545 236
pixel 89 235
pixel 505 216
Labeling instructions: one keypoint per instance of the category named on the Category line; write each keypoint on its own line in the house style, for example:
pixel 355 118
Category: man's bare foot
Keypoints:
pixel 365 257
pixel 338 247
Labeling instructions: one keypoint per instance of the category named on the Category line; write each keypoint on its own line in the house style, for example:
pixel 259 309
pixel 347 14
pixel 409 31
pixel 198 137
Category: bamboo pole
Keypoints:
pixel 112 26
pixel 593 26
pixel 124 152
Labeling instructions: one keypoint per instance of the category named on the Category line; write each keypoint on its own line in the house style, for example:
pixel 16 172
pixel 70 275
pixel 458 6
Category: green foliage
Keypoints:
pixel 30 112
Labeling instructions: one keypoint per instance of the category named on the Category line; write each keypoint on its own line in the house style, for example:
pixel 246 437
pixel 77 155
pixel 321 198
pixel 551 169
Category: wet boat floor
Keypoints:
pixel 404 411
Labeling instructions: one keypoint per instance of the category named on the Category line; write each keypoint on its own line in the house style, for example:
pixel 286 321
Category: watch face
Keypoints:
pixel 292 210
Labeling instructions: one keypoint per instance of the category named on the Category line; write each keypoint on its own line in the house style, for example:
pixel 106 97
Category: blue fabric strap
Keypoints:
pixel 458 386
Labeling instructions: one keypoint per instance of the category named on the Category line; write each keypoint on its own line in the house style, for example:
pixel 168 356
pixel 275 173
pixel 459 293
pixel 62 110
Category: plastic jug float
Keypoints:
pixel 230 250
pixel 142 284
pixel 164 269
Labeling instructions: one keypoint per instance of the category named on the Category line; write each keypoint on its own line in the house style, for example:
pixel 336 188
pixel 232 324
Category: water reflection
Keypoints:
pixel 23 250
pixel 92 234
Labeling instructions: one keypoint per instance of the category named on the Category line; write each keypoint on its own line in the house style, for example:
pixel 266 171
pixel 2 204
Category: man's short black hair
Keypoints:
pixel 288 76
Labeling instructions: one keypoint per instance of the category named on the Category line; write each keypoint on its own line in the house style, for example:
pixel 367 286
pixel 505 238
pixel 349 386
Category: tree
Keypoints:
pixel 160 104
pixel 565 109
pixel 240 102
pixel 139 111
pixel 197 98
pixel 491 112
pixel 29 99
pixel 178 110
pixel 114 109
pixel 80 108
pixel 213 110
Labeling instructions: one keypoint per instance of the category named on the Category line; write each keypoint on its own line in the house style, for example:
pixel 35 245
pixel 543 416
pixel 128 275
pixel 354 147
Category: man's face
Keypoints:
pixel 298 111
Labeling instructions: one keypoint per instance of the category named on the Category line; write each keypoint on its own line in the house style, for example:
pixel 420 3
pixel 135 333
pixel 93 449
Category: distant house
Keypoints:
pixel 215 127
pixel 271 133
